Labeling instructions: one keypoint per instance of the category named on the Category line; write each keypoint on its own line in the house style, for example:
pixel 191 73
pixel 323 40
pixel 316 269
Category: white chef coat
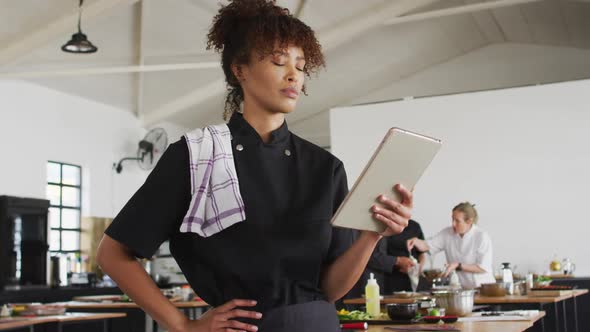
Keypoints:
pixel 475 247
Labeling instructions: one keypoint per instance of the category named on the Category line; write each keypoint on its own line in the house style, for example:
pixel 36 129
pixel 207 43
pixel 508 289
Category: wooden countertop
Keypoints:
pixel 122 305
pixel 16 322
pixel 504 326
pixel 489 299
pixel 555 276
pixel 527 299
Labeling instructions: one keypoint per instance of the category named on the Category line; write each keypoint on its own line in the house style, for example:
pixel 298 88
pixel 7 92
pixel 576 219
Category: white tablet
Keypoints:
pixel 402 157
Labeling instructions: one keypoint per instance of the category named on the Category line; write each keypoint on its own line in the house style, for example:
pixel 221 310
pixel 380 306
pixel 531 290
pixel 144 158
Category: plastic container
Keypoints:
pixel 372 297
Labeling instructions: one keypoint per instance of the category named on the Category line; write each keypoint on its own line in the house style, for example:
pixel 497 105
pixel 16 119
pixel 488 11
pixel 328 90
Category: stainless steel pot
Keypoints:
pixel 457 302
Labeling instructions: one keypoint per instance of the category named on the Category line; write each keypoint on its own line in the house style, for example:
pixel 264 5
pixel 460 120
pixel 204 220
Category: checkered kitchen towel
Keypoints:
pixel 216 203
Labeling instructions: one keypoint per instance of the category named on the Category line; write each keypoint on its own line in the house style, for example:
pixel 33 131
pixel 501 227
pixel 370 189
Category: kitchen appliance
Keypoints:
pixel 82 279
pixel 23 241
pixel 149 150
pixel 54 272
pixel 457 302
pixel 164 269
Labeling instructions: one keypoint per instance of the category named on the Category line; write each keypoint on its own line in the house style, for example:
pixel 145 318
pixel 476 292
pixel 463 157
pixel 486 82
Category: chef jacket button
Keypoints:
pixel 287 152
pixel 239 147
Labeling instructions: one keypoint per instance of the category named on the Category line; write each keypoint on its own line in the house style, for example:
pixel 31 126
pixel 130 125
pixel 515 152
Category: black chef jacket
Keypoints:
pixel 290 189
pixel 382 263
pixel 396 246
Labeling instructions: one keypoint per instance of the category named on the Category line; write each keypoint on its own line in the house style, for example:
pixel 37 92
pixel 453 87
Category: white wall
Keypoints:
pixel 522 155
pixel 38 124
pixel 490 67
pixel 315 129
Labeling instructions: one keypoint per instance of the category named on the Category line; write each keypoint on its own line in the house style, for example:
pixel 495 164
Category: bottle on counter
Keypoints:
pixel 372 297
pixel 5 312
pixel 507 278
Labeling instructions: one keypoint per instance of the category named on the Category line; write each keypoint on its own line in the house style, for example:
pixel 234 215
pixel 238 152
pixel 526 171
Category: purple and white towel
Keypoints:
pixel 216 203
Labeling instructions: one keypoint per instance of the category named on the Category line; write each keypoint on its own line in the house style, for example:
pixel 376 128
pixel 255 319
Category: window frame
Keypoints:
pixel 61 207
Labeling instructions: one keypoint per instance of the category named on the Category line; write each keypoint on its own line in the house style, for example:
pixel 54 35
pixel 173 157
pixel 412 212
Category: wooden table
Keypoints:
pixel 541 301
pixel 527 299
pixel 193 309
pixel 117 305
pixel 503 326
pixel 70 317
pixel 508 299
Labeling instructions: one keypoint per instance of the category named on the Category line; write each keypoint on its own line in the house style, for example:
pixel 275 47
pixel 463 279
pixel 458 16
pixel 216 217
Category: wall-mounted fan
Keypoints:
pixel 149 151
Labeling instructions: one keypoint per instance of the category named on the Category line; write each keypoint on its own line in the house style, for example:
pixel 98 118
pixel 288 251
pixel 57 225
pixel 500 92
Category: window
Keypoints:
pixel 64 190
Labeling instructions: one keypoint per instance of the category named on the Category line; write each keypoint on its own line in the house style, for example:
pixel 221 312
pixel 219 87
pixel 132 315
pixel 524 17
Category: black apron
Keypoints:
pixel 303 317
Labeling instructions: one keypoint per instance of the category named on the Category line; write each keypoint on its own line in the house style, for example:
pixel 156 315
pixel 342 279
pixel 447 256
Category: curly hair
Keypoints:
pixel 244 26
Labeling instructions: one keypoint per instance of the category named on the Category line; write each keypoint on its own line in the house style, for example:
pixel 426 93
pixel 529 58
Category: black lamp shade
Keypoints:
pixel 79 44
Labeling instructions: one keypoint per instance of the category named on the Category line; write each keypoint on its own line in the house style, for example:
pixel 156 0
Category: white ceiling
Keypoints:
pixel 363 54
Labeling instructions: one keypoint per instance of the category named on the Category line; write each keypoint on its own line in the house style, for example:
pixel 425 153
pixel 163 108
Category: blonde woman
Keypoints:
pixel 468 248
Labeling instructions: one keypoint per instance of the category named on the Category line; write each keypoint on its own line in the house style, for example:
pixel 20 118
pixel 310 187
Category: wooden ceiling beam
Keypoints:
pixel 27 42
pixel 330 38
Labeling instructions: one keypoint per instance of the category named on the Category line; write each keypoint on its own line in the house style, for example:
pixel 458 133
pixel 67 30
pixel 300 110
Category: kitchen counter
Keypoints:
pixel 489 299
pixel 504 326
pixel 45 294
pixel 18 322
pixel 527 299
pixel 116 305
pixel 559 319
pixel 137 320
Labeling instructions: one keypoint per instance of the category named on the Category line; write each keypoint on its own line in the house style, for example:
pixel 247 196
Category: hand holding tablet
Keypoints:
pixel 400 159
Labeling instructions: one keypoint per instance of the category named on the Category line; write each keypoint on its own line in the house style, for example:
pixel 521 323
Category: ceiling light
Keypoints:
pixel 79 42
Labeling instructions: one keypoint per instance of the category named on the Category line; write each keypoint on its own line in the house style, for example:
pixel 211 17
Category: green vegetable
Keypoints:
pixel 355 315
pixel 125 298
pixel 359 315
pixel 543 279
pixel 433 312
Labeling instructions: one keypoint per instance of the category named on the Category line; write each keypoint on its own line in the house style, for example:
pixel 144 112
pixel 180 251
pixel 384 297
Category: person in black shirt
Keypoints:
pixel 390 263
pixel 282 268
pixel 396 279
